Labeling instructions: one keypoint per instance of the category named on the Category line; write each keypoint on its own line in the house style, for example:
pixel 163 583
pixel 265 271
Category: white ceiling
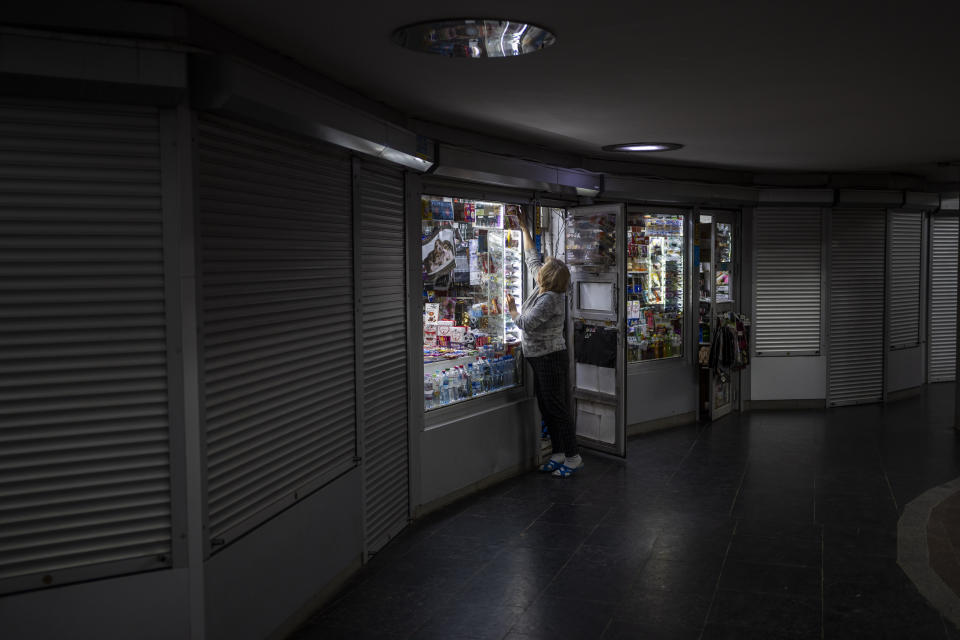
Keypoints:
pixel 844 85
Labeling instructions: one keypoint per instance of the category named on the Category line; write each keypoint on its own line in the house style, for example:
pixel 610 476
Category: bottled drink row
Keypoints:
pixel 462 382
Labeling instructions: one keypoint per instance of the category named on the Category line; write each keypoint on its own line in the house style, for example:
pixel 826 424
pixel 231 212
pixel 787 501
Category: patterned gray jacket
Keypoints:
pixel 542 318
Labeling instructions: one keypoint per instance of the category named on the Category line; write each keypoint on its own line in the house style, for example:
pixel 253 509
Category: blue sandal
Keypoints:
pixel 563 471
pixel 550 466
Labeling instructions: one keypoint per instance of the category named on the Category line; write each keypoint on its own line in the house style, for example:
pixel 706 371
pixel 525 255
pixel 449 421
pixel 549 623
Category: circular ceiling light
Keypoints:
pixel 474 38
pixel 644 146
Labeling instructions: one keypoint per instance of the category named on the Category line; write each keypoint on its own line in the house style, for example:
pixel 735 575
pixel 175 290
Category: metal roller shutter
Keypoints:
pixel 788 286
pixel 84 431
pixel 277 320
pixel 903 284
pixel 857 265
pixel 383 353
pixel 942 361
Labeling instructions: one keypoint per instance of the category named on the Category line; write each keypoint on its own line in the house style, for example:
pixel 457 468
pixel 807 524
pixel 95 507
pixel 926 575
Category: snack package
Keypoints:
pixel 431 312
pixel 429 334
pixel 443 328
pixel 458 334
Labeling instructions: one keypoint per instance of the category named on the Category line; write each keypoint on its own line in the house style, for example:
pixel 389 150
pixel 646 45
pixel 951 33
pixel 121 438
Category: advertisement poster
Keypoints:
pixel 439 255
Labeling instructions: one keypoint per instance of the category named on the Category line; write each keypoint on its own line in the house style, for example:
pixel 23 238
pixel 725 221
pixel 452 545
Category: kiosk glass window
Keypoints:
pixel 655 276
pixel 472 253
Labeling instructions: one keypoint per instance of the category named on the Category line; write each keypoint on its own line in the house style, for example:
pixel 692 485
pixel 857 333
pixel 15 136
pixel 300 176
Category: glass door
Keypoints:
pixel 716 236
pixel 594 248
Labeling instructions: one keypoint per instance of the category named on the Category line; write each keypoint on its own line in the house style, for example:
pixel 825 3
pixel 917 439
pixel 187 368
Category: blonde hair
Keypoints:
pixel 554 276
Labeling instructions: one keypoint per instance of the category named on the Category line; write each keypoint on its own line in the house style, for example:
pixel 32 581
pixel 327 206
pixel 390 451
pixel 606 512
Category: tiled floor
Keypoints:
pixel 763 525
pixel 943 541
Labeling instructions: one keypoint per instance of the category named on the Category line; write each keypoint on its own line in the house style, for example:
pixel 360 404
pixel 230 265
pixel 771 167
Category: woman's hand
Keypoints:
pixel 511 304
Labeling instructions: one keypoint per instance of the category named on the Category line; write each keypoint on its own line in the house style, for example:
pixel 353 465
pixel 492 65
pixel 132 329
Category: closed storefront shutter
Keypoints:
pixel 277 320
pixel 903 284
pixel 788 287
pixel 383 353
pixel 84 430
pixel 942 361
pixel 857 265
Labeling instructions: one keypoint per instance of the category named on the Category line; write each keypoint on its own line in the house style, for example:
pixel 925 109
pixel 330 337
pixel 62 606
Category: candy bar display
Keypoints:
pixel 472 258
pixel 655 271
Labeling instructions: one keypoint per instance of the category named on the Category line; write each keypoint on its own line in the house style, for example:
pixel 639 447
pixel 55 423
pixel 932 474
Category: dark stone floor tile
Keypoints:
pixel 765 475
pixel 952 631
pixel 628 630
pixel 682 577
pixel 865 511
pixel 574 514
pixel 621 536
pixel 592 587
pixel 555 617
pixel 598 573
pixel 547 489
pixel 690 545
pixel 491 587
pixel 500 506
pixel 522 559
pixel 770 578
pixel 659 608
pixel 469 620
pixel 860 541
pixel 770 527
pixel 890 612
pixel 794 505
pixel 321 632
pixel 839 567
pixel 728 632
pixel 554 536
pixel 385 609
pixel 784 551
pixel 486 529
pixel 867 624
pixel 851 481
pixel 793 616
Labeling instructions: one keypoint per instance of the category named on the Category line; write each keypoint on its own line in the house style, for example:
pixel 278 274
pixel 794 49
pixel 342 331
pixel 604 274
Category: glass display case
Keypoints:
pixel 472 258
pixel 723 284
pixel 655 246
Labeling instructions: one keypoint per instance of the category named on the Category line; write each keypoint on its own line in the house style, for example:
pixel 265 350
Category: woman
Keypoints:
pixel 545 349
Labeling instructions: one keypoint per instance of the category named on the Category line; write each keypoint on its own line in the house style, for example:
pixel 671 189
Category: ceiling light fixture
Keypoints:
pixel 474 38
pixel 644 146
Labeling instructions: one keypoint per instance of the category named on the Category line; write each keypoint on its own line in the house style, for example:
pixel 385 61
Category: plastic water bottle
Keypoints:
pixel 464 382
pixel 437 384
pixel 498 371
pixel 487 376
pixel 508 370
pixel 476 379
pixel 454 384
pixel 445 388
pixel 427 392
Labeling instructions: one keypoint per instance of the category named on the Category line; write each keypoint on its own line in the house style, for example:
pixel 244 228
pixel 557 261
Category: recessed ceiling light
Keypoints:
pixel 474 38
pixel 644 146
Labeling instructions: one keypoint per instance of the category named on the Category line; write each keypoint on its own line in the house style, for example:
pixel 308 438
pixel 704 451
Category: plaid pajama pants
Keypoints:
pixel 550 374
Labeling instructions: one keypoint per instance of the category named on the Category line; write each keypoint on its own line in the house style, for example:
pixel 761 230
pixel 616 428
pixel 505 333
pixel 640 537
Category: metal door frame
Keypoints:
pixel 618 320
